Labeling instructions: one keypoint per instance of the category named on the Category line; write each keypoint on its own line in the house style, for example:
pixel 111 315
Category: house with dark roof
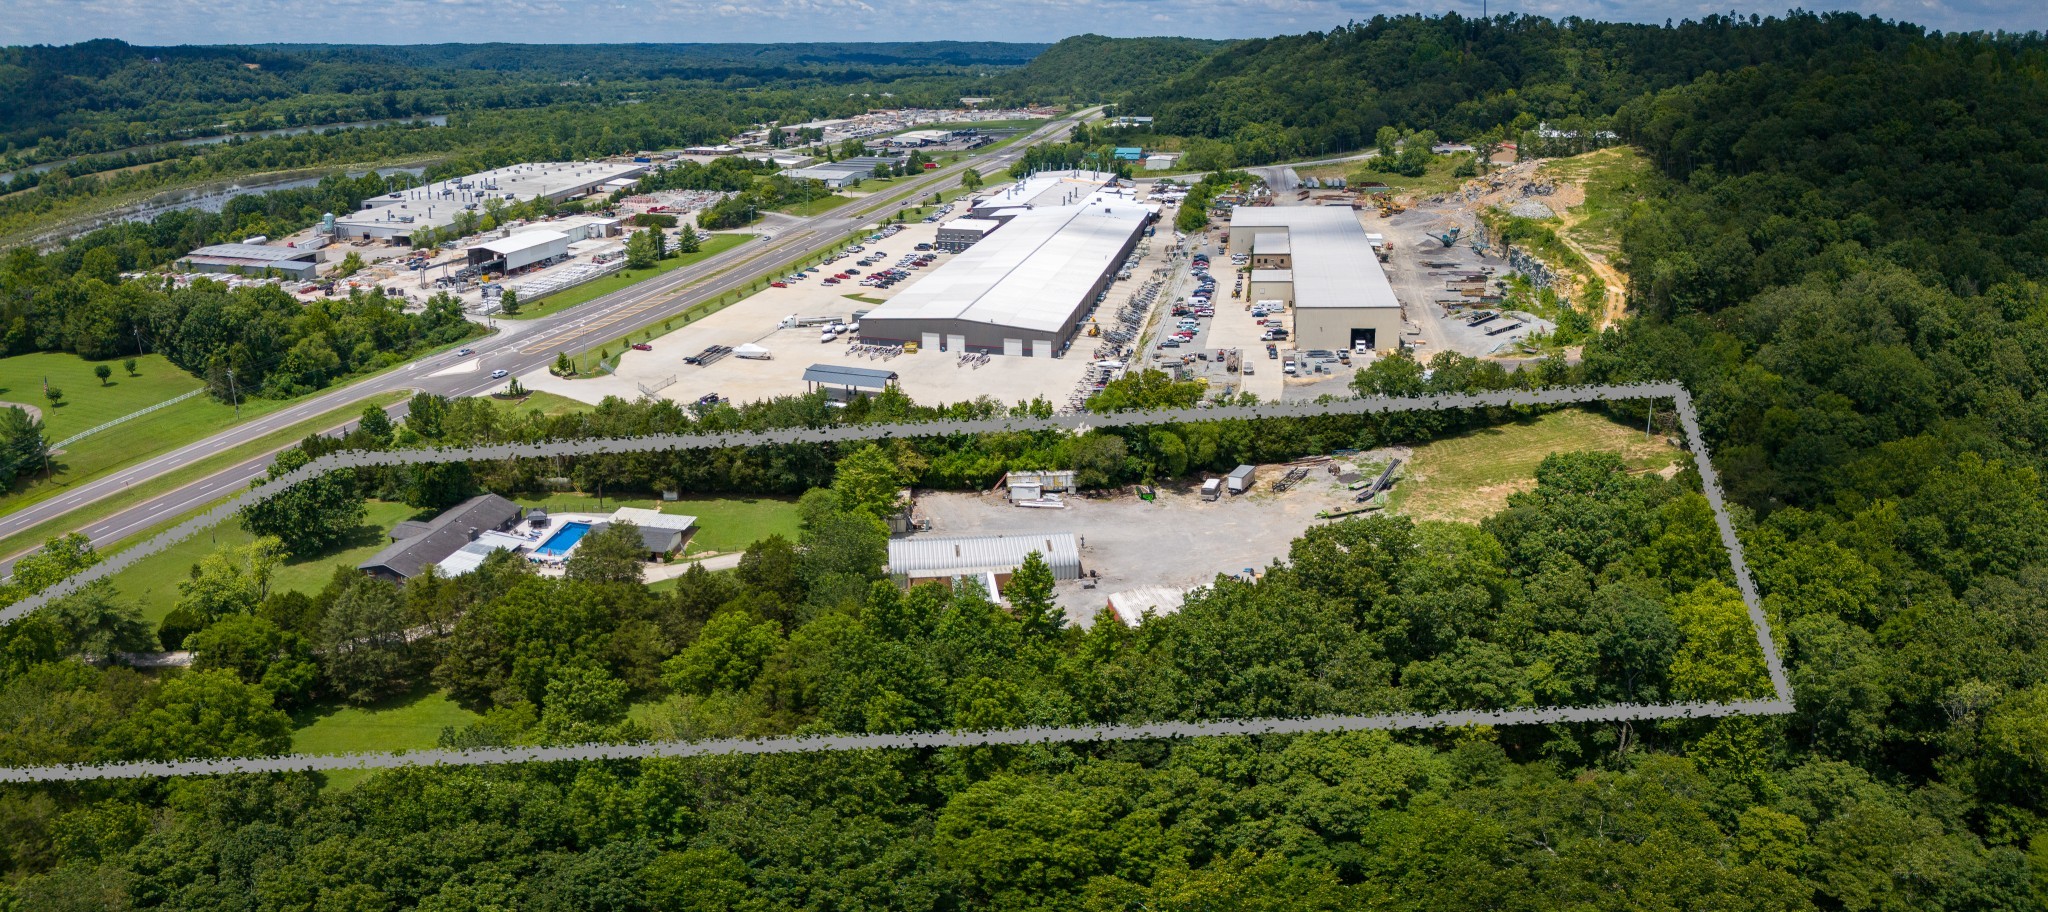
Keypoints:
pixel 416 546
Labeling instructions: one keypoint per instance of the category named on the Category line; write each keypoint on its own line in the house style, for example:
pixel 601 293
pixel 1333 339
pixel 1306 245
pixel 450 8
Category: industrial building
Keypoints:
pixel 254 259
pixel 527 248
pixel 398 215
pixel 986 559
pixel 962 233
pixel 1319 261
pixel 834 175
pixel 1020 290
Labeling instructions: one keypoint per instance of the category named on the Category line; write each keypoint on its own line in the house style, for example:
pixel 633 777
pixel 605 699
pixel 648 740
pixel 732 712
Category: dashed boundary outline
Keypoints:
pixel 1781 703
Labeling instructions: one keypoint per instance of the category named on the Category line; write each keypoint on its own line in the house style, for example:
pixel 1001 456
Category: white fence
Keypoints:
pixel 88 432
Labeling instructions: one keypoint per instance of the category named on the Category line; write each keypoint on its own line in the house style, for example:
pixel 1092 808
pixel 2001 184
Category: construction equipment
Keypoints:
pixel 1450 238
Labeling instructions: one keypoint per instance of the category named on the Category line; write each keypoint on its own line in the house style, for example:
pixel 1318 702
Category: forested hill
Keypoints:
pixel 1321 92
pixel 1094 68
pixel 110 86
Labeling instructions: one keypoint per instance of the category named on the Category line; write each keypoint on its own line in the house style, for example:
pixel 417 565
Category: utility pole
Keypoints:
pixel 234 394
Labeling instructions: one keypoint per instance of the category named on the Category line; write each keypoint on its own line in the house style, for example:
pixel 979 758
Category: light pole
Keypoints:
pixel 234 394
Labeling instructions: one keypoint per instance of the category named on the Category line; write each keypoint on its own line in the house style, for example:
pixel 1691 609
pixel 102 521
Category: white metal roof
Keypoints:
pixel 924 556
pixel 1046 188
pixel 1270 242
pixel 524 240
pixel 1334 264
pixel 654 519
pixel 1029 275
pixel 971 224
pixel 251 252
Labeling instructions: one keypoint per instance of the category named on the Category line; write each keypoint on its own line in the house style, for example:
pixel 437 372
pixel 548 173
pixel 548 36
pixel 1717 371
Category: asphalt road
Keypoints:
pixel 518 346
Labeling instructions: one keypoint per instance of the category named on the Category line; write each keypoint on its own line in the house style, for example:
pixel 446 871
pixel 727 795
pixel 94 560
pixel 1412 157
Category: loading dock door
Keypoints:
pixel 956 343
pixel 1370 338
pixel 931 342
pixel 1013 348
pixel 1041 348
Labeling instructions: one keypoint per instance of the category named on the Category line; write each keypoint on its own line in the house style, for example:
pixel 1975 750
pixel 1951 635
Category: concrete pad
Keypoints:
pixel 470 366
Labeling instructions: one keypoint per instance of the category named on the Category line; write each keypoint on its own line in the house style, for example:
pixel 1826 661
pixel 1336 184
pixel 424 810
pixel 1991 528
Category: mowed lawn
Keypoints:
pixel 712 245
pixel 1469 477
pixel 152 582
pixel 411 722
pixel 87 404
pixel 723 523
pixel 549 404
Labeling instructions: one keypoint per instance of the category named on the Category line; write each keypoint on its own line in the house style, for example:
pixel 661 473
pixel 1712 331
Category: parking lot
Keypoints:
pixel 1178 540
pixel 928 377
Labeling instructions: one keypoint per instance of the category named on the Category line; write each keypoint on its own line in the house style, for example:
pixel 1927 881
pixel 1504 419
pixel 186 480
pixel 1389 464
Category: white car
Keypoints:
pixel 500 374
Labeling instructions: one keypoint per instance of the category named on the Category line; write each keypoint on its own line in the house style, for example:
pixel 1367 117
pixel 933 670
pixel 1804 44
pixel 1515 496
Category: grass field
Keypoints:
pixel 1469 477
pixel 547 404
pixel 588 291
pixel 87 404
pixel 152 582
pixel 411 722
pixel 723 523
pixel 86 515
pixel 817 205
pixel 1614 181
pixel 1436 179
pixel 864 299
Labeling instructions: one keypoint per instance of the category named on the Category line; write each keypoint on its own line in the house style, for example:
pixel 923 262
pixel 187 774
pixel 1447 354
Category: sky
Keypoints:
pixel 170 22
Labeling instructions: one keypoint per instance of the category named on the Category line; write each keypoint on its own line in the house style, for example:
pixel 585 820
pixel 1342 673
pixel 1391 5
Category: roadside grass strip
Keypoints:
pixel 1781 703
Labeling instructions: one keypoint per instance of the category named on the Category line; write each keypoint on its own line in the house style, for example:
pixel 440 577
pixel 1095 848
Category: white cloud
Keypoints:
pixel 594 21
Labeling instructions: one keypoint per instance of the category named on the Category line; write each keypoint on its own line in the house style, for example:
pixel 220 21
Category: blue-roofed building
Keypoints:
pixel 1130 153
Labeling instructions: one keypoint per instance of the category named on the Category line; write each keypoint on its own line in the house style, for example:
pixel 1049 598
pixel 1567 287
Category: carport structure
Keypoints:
pixel 844 382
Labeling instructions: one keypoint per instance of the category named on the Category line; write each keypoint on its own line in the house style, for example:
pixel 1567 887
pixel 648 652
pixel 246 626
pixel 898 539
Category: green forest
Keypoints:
pixel 1842 258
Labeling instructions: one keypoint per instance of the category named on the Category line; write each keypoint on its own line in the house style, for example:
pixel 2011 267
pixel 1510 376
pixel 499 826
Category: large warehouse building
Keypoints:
pixel 254 259
pixel 1319 261
pixel 1021 290
pixel 398 215
pixel 518 251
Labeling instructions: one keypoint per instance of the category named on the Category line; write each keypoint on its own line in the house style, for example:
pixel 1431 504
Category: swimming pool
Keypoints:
pixel 563 540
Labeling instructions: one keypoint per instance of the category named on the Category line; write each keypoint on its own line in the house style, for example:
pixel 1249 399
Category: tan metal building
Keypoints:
pixel 1319 260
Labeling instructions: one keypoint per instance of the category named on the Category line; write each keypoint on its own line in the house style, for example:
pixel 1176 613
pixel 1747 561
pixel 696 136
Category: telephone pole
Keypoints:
pixel 234 394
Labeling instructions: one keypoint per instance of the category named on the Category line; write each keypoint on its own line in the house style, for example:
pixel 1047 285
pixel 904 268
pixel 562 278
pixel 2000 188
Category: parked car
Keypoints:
pixel 709 399
pixel 1272 352
pixel 643 347
pixel 778 284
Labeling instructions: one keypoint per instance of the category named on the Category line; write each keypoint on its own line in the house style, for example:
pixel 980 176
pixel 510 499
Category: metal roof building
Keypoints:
pixel 254 259
pixel 523 249
pixel 1333 280
pixel 1021 290
pixel 398 215
pixel 924 558
pixel 846 382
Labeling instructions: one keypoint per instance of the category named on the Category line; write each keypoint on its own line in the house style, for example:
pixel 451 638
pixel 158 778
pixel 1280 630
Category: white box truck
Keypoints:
pixel 1241 478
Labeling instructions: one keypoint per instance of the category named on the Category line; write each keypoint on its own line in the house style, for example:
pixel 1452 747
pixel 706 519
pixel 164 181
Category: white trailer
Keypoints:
pixel 1241 478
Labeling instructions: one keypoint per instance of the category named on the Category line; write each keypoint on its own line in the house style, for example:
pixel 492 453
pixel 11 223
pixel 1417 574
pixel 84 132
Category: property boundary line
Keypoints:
pixel 1781 703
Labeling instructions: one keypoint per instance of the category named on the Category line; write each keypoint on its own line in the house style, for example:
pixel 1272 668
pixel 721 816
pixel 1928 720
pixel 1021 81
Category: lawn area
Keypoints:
pixel 864 299
pixel 87 404
pixel 1436 179
pixel 1469 477
pixel 152 582
pixel 410 722
pixel 567 298
pixel 723 523
pixel 1614 180
pixel 821 204
pixel 548 404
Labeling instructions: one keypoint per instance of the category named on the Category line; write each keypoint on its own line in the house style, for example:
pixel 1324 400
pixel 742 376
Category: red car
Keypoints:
pixel 786 285
pixel 642 346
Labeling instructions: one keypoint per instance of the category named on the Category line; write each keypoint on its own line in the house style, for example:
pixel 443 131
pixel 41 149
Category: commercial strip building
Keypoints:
pixel 253 259
pixel 1319 261
pixel 1023 288
pixel 987 559
pixel 398 215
